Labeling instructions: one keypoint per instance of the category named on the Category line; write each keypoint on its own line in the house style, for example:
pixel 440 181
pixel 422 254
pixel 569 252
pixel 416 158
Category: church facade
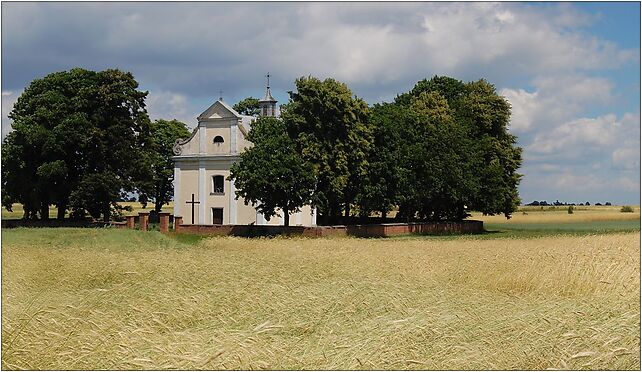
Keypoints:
pixel 202 193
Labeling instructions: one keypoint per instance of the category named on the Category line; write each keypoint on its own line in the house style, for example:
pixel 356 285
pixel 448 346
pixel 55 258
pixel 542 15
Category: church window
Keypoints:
pixel 218 185
pixel 217 216
pixel 218 139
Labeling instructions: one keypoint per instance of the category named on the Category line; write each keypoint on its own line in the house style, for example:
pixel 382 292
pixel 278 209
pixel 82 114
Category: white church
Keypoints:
pixel 202 193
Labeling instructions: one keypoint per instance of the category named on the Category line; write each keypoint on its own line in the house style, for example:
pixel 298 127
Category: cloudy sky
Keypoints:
pixel 570 70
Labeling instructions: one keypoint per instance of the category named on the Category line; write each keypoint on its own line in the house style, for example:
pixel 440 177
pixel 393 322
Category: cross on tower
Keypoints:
pixel 192 203
pixel 268 80
pixel 220 95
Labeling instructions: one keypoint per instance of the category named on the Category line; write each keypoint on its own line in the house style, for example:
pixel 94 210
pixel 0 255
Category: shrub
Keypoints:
pixel 626 209
pixel 570 209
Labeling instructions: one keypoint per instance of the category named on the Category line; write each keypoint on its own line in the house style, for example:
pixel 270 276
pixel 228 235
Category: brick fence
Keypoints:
pixel 374 230
pixel 143 220
pixel 370 230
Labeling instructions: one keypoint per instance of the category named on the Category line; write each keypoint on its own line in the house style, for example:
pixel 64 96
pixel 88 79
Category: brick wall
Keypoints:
pixel 392 229
pixel 374 230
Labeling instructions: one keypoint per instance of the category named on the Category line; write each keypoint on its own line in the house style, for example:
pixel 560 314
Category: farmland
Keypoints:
pixel 514 299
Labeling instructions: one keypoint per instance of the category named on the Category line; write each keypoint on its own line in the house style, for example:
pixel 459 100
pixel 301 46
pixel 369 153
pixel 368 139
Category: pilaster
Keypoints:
pixel 201 137
pixel 233 140
pixel 177 190
pixel 233 202
pixel 201 193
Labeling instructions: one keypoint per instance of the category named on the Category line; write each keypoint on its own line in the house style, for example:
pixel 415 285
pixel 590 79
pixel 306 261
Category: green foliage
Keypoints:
pixel 159 164
pixel 626 209
pixel 380 187
pixel 441 148
pixel 570 209
pixel 271 175
pixel 248 106
pixel 483 175
pixel 75 133
pixel 331 131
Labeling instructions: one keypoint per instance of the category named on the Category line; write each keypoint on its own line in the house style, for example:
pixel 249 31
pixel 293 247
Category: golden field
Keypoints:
pixel 559 214
pixel 122 299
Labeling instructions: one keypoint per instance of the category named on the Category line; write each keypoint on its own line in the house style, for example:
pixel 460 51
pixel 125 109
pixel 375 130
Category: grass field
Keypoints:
pixel 122 299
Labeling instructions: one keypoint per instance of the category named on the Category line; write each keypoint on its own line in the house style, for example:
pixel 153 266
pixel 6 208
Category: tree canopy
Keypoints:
pixel 271 175
pixel 76 143
pixel 331 131
pixel 158 184
pixel 436 152
pixel 248 106
pixel 487 148
pixel 82 140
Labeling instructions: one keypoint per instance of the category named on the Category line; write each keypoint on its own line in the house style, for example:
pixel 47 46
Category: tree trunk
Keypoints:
pixel 158 201
pixel 384 214
pixel 347 211
pixel 106 213
pixel 286 217
pixel 44 211
pixel 62 208
pixel 158 204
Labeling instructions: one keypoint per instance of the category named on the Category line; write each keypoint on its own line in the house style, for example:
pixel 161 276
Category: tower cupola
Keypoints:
pixel 267 105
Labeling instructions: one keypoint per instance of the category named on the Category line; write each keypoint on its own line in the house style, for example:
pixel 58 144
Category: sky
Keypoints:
pixel 571 71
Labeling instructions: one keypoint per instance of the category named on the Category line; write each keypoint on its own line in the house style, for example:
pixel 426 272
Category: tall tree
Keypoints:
pixel 248 106
pixel 331 130
pixel 485 146
pixel 271 175
pixel 380 187
pixel 158 184
pixel 76 143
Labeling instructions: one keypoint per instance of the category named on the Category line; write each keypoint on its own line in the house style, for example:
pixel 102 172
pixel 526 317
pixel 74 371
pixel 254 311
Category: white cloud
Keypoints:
pixel 626 158
pixel 556 99
pixel 581 136
pixel 525 107
pixel 8 99
pixel 568 114
pixel 169 105
pixel 570 181
pixel 367 45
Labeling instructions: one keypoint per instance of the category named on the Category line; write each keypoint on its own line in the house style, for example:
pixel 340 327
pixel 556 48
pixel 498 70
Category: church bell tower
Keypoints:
pixel 268 103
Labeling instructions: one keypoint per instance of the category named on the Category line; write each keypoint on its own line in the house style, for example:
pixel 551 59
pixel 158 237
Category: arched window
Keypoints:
pixel 218 139
pixel 218 185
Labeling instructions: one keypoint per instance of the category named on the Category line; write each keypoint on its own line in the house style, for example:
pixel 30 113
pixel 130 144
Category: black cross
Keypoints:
pixel 192 203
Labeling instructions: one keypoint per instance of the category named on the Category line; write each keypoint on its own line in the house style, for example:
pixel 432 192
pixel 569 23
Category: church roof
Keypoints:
pixel 268 96
pixel 216 107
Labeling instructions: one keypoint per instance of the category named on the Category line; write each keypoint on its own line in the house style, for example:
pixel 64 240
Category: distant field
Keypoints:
pixel 561 215
pixel 123 299
pixel 538 221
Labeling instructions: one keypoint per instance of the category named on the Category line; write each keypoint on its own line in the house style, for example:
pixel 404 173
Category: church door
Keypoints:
pixel 217 216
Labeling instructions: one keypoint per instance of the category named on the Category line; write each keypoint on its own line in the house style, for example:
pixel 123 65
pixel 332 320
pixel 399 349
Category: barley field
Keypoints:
pixel 122 299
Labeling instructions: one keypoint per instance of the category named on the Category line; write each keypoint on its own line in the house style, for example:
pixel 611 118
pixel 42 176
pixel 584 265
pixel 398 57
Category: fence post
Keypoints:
pixel 164 221
pixel 131 223
pixel 143 220
pixel 178 221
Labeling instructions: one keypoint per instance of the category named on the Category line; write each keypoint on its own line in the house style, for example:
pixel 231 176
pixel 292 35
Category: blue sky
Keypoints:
pixel 571 71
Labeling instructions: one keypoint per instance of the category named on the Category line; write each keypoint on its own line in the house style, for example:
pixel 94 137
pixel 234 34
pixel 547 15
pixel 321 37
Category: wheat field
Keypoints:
pixel 121 299
pixel 559 214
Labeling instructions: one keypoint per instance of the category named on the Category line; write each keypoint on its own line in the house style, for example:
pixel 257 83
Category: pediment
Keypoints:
pixel 218 110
